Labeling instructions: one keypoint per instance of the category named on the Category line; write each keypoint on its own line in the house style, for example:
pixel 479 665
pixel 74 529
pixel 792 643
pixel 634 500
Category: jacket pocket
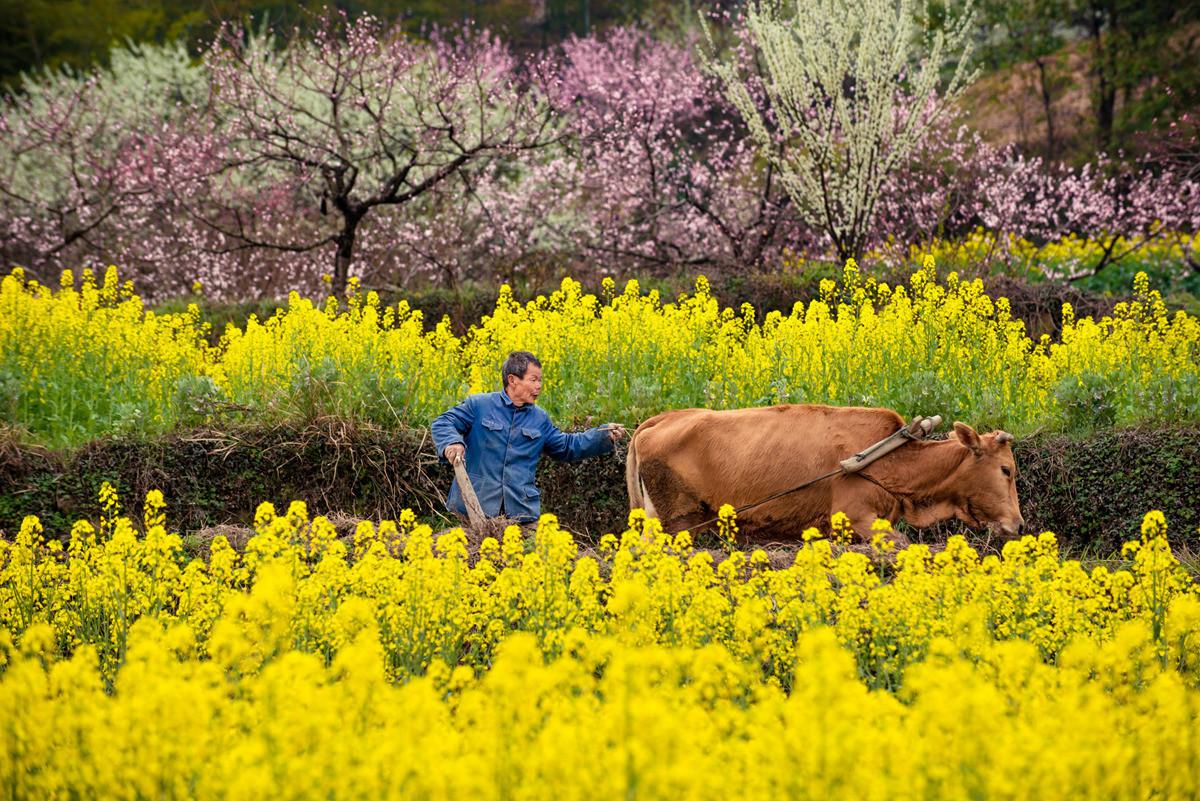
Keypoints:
pixel 531 433
pixel 532 493
pixel 492 424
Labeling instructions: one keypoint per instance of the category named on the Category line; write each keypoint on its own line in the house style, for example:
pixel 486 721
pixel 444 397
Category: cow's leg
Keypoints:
pixel 690 521
pixel 864 505
pixel 684 510
pixel 678 507
pixel 864 527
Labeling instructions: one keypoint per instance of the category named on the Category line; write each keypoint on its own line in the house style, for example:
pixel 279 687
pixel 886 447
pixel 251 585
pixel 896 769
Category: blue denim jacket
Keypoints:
pixel 504 443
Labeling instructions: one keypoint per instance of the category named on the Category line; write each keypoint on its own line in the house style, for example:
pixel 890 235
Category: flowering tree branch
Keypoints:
pixel 850 98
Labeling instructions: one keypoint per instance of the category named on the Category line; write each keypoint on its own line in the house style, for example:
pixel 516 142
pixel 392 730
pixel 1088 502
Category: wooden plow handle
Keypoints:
pixel 474 510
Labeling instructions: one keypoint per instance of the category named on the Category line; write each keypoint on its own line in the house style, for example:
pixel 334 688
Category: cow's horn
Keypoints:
pixel 922 426
pixel 1003 437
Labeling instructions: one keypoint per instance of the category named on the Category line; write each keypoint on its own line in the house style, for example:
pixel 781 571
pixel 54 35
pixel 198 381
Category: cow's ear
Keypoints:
pixel 967 436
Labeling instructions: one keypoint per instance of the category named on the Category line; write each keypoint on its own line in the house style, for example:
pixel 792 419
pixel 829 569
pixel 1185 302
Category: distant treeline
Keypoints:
pixel 80 33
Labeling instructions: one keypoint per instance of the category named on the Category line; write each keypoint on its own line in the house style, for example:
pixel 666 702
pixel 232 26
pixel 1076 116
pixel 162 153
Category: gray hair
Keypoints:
pixel 517 364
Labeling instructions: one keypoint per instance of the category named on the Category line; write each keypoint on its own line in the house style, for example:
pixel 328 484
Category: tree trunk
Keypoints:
pixel 1102 25
pixel 1047 106
pixel 847 246
pixel 344 254
pixel 1107 102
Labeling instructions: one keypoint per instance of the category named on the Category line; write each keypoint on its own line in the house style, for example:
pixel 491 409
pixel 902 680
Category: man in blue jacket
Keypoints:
pixel 502 435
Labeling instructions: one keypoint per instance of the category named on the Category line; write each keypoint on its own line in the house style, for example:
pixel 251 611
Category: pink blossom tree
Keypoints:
pixel 659 171
pixel 80 158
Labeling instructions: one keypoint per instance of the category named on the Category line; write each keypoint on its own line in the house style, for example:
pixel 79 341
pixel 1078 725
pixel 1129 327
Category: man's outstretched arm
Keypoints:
pixel 573 447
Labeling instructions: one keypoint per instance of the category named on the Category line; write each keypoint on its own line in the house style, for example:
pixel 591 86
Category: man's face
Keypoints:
pixel 525 390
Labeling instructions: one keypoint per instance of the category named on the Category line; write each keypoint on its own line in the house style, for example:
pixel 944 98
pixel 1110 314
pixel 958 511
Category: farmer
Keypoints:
pixel 502 435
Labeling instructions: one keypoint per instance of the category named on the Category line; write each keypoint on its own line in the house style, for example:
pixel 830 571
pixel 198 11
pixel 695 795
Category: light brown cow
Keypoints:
pixel 682 465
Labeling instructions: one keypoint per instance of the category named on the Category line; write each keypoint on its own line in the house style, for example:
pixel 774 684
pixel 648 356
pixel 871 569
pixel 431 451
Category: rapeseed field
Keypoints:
pixel 401 663
pixel 87 358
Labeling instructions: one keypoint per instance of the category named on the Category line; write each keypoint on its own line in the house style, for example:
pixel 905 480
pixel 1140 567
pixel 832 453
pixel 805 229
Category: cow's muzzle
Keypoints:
pixel 1008 529
pixel 1012 528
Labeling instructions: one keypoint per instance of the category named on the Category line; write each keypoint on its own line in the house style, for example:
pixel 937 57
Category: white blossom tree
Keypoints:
pixel 843 94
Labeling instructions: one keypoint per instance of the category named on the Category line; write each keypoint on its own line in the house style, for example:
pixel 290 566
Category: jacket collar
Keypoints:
pixel 509 402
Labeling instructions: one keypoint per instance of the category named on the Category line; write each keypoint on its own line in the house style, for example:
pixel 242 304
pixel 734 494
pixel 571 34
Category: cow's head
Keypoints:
pixel 987 482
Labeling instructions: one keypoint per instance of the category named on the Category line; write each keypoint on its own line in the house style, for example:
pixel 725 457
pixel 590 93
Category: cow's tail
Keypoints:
pixel 638 497
pixel 633 482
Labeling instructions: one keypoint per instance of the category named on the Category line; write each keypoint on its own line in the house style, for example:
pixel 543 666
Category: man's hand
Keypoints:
pixel 455 453
pixel 616 431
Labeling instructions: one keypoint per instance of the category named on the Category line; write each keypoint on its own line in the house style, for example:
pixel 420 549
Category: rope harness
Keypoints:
pixel 918 429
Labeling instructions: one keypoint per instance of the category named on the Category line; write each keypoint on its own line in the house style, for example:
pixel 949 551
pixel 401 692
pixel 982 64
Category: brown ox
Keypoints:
pixel 683 465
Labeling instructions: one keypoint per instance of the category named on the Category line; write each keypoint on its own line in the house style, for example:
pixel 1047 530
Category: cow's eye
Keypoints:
pixel 1006 470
